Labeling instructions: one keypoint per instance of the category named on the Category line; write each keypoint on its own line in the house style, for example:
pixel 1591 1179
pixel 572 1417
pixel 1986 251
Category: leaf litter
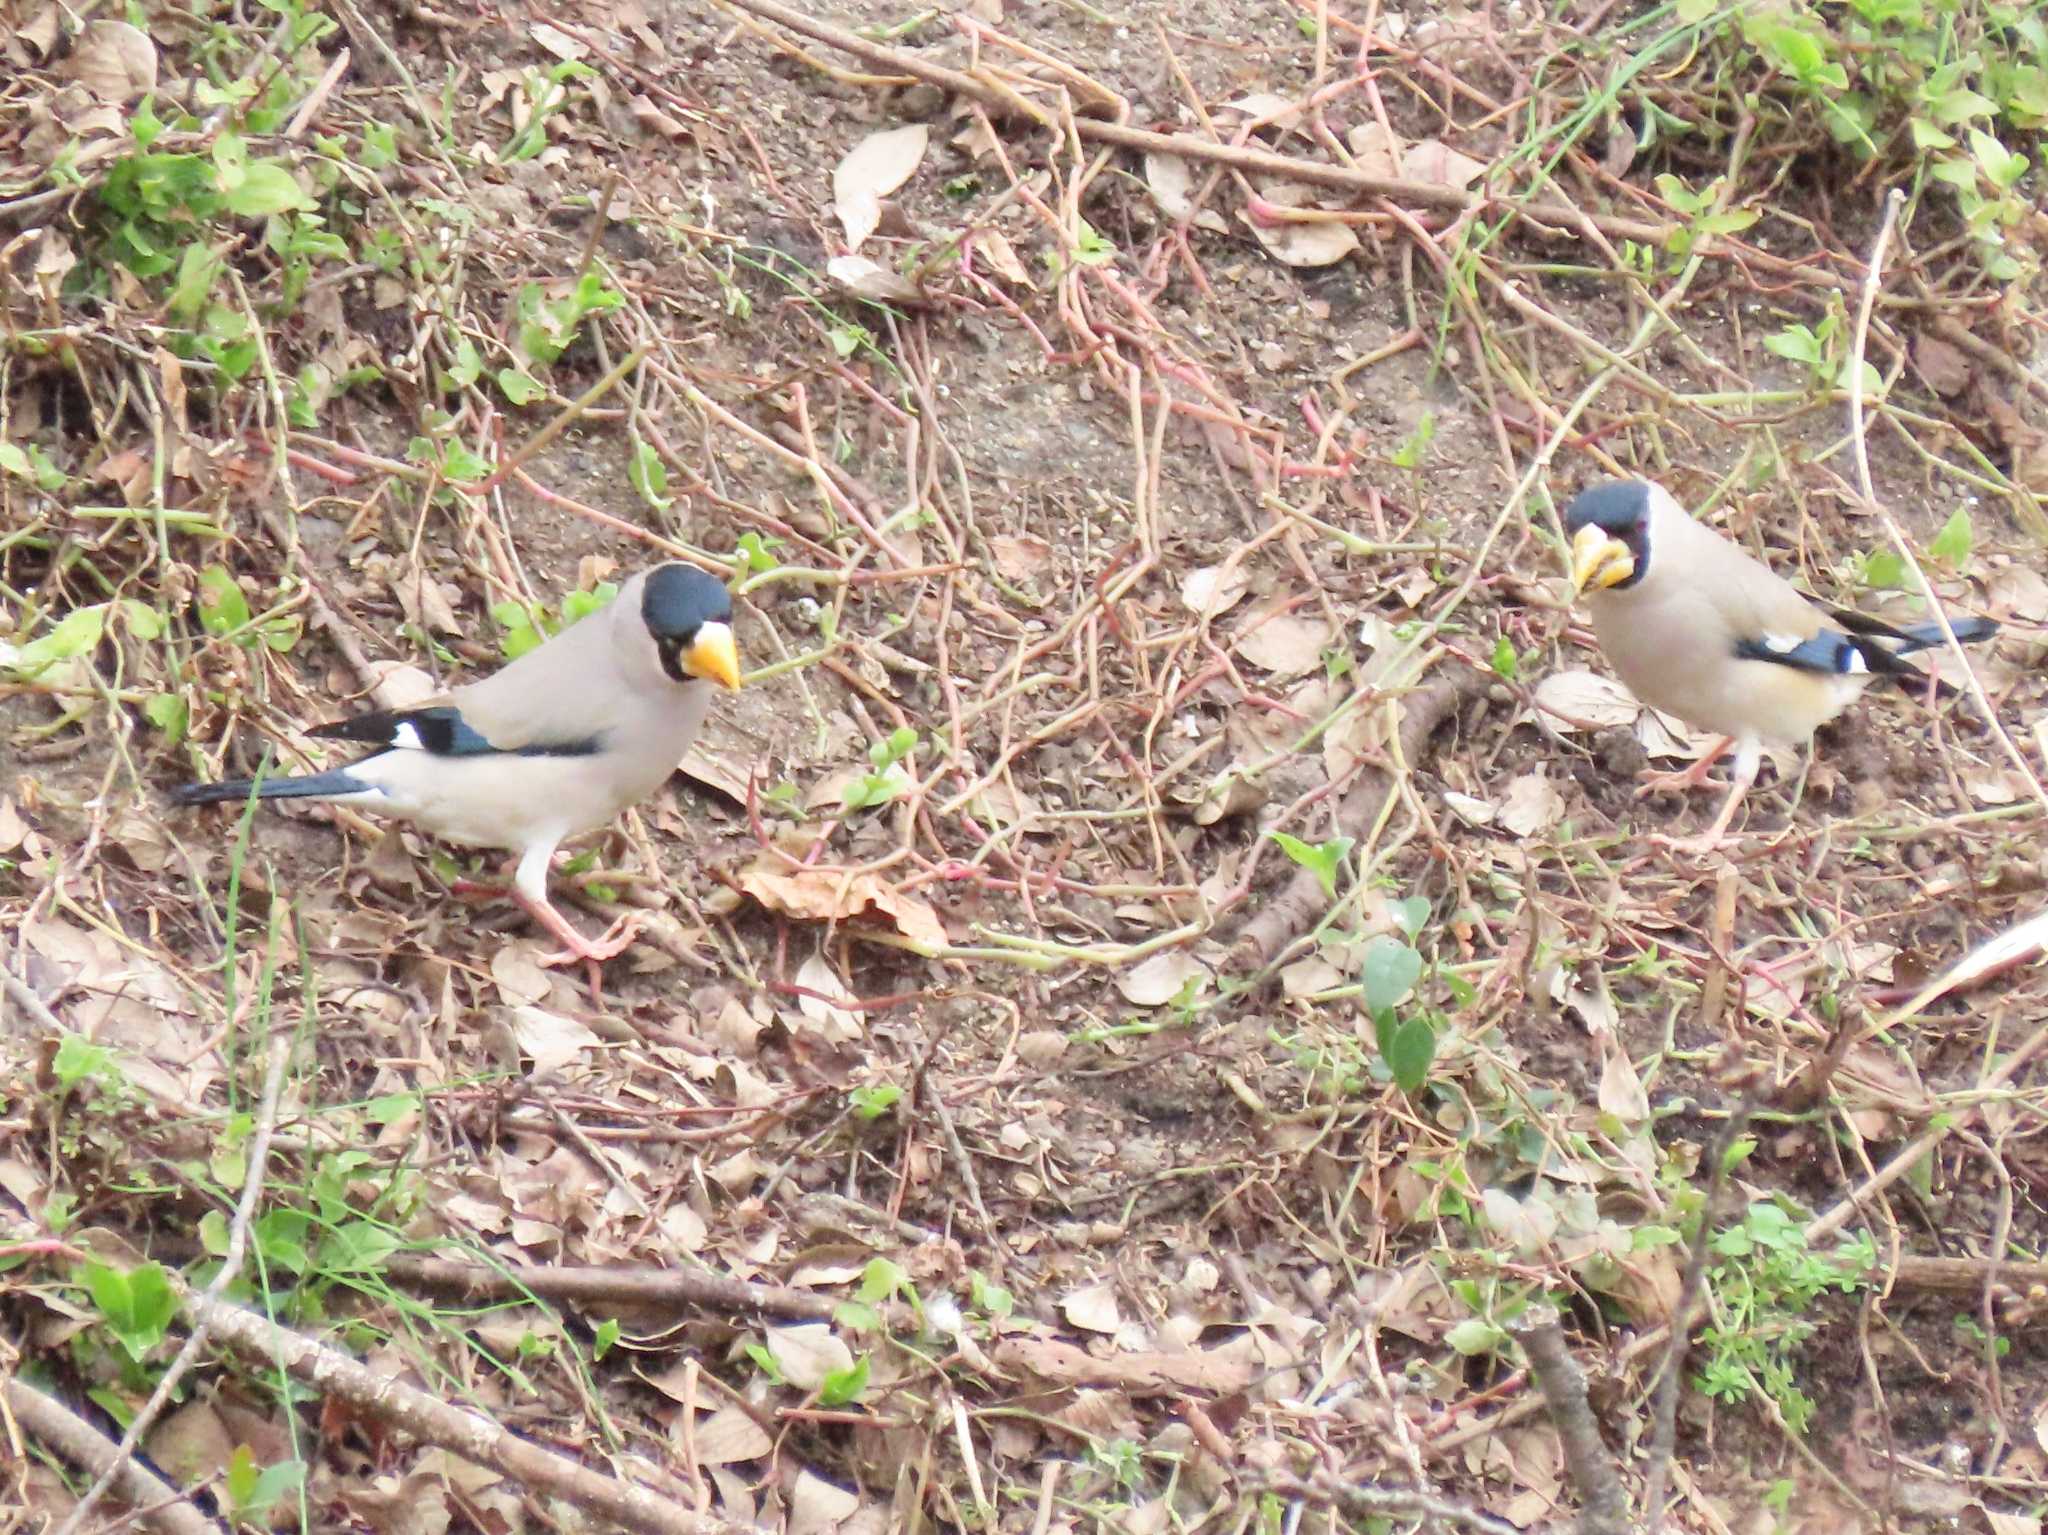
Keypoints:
pixel 980 990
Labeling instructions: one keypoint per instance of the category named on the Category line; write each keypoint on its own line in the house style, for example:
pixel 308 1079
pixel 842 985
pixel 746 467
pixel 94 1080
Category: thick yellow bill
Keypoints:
pixel 1600 559
pixel 714 655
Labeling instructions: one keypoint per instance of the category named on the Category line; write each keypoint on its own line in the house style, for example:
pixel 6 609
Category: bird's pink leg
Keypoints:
pixel 1690 778
pixel 1747 760
pixel 591 951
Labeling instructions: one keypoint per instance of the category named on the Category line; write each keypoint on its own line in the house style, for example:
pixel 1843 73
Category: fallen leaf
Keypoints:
pixel 816 1505
pixel 1285 644
pixel 1172 184
pixel 552 1040
pixel 1002 258
pixel 1582 700
pixel 1158 980
pixel 1302 243
pixel 1621 1090
pixel 1945 366
pixel 114 61
pixel 836 1023
pixel 807 1352
pixel 1020 556
pixel 1276 111
pixel 871 280
pixel 1532 804
pixel 830 895
pixel 731 1435
pixel 2019 592
pixel 1093 1309
pixel 875 167
pixel 1435 162
pixel 1528 1224
pixel 1470 809
pixel 1214 589
pixel 1219 1371
pixel 1374 152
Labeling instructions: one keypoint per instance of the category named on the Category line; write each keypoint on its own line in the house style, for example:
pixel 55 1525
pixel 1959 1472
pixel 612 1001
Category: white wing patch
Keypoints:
pixel 1782 644
pixel 1857 664
pixel 406 738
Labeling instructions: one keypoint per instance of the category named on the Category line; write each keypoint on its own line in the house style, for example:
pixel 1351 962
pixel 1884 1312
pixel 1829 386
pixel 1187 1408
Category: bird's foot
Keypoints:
pixel 592 951
pixel 1686 779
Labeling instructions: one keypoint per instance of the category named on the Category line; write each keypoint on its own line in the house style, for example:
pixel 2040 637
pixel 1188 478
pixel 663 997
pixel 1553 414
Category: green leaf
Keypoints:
pixel 76 633
pixel 1409 915
pixel 467 368
pixel 169 713
pixel 607 1336
pixel 1322 859
pixel 1389 973
pixel 1505 662
pixel 873 1101
pixel 1475 1336
pixel 2001 166
pixel 222 607
pixel 648 475
pixel 266 187
pixel 1798 344
pixel 1408 1053
pixel 519 386
pixel 1952 544
pixel 842 1386
pixel 14 461
pixel 138 1304
pixel 76 1060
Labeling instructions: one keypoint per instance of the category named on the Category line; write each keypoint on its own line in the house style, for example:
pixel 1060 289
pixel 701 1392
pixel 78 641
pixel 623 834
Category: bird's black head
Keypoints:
pixel 689 616
pixel 1609 525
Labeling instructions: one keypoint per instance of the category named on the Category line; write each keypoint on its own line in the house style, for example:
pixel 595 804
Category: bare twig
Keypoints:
pixel 158 1505
pixel 1592 1468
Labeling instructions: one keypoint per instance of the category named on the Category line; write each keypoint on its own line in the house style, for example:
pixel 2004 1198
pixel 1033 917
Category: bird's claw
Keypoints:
pixel 594 951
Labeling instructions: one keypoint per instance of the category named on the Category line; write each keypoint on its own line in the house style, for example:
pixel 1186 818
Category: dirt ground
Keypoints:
pixel 1032 1087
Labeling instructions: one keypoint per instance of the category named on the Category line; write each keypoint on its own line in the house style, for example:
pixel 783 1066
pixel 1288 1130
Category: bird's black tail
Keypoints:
pixel 1912 637
pixel 332 785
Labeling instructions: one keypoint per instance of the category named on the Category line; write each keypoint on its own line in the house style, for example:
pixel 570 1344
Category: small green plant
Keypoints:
pixel 1415 447
pixel 1764 1280
pixel 137 1304
pixel 1323 859
pixel 874 1100
pixel 1953 543
pixel 254 1491
pixel 546 94
pixel 887 778
pixel 1407 1044
pixel 525 627
pixel 1702 220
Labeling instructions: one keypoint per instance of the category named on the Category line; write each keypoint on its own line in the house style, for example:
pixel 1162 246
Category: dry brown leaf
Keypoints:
pixel 1158 980
pixel 1437 163
pixel 1172 184
pixel 1320 243
pixel 729 1436
pixel 1621 1090
pixel 1002 258
pixel 1581 700
pixel 554 40
pixel 1020 556
pixel 552 1040
pixel 871 280
pixel 1285 644
pixel 1221 1371
pixel 1945 366
pixel 837 1024
pixel 828 895
pixel 1528 1224
pixel 116 62
pixel 1532 804
pixel 654 120
pixel 2019 592
pixel 1276 111
pixel 816 1505
pixel 875 167
pixel 1213 590
pixel 1471 809
pixel 807 1352
pixel 1373 152
pixel 1093 1309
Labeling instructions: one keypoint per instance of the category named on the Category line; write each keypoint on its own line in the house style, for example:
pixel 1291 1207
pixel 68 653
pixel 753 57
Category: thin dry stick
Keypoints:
pixel 157 1504
pixel 1872 279
pixel 1592 1468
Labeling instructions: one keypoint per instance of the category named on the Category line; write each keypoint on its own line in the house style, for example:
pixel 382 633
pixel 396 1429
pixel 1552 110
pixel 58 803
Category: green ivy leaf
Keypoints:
pixel 267 187
pixel 842 1386
pixel 1389 973
pixel 1322 859
pixel 222 607
pixel 138 1304
pixel 1408 1052
pixel 1952 544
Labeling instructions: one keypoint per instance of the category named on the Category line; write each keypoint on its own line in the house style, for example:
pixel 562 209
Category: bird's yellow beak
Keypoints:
pixel 1599 559
pixel 714 655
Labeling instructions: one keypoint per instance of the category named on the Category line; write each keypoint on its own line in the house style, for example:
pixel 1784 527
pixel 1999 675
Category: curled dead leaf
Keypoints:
pixel 1285 644
pixel 872 169
pixel 1214 589
pixel 871 280
pixel 1158 980
pixel 830 895
pixel 1172 184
